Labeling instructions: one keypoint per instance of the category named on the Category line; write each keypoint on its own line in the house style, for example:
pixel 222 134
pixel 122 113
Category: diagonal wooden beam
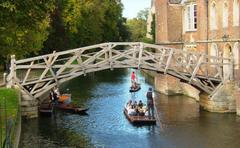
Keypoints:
pixel 168 61
pixel 69 62
pixel 28 71
pixel 196 68
pixel 141 46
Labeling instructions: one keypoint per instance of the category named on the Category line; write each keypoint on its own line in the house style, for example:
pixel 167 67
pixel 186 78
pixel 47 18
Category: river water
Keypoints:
pixel 181 124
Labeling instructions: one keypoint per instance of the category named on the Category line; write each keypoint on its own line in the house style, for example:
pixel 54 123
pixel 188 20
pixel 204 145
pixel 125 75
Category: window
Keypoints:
pixel 236 13
pixel 213 17
pixel 214 53
pixel 225 15
pixel 191 17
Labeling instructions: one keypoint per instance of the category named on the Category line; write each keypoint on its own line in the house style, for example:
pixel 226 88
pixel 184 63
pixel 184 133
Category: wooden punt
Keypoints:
pixel 138 87
pixel 139 120
pixel 46 109
pixel 72 108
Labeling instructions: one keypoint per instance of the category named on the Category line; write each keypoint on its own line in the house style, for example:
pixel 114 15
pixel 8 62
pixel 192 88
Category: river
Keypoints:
pixel 181 123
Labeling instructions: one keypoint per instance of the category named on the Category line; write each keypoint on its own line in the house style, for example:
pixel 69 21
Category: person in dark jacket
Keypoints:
pixel 150 104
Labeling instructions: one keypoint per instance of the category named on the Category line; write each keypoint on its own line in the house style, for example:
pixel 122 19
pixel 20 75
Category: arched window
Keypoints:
pixel 214 52
pixel 226 67
pixel 236 13
pixel 236 55
pixel 213 17
pixel 225 15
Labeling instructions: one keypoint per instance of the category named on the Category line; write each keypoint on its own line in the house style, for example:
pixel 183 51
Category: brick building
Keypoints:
pixel 209 26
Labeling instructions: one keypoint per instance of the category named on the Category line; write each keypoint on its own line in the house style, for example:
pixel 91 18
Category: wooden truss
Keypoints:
pixel 37 75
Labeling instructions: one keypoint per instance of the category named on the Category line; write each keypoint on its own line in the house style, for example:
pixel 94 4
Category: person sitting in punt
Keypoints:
pixel 129 104
pixel 140 104
pixel 141 108
pixel 132 111
pixel 135 104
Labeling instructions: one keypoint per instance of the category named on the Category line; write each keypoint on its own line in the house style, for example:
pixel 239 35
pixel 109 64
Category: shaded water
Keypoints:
pixel 181 124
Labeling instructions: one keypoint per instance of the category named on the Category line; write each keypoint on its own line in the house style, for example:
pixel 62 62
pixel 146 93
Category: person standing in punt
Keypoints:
pixel 133 79
pixel 150 104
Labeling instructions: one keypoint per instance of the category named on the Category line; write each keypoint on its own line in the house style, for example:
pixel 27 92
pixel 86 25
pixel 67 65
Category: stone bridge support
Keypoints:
pixel 167 84
pixel 226 98
pixel 222 101
pixel 170 85
pixel 29 106
pixel 237 97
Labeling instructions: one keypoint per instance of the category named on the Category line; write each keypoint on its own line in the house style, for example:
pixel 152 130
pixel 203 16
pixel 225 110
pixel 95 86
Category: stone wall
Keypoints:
pixel 29 106
pixel 237 97
pixel 189 90
pixel 167 84
pixel 170 85
pixel 222 101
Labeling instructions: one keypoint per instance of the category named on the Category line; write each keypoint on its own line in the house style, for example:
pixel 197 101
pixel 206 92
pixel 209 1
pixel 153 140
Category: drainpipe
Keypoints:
pixel 207 25
pixel 207 33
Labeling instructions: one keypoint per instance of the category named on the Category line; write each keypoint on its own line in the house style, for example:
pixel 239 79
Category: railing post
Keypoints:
pixel 4 78
pixel 110 55
pixel 106 52
pixel 12 74
pixel 140 54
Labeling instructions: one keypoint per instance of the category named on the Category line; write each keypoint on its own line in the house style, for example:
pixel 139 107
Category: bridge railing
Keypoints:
pixel 39 74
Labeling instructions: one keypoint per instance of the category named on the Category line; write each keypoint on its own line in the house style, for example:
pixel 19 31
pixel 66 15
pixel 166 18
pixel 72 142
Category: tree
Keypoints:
pixel 30 27
pixel 153 28
pixel 137 28
pixel 23 27
pixel 143 14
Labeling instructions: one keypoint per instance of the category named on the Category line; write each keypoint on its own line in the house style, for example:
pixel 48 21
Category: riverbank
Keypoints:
pixel 10 116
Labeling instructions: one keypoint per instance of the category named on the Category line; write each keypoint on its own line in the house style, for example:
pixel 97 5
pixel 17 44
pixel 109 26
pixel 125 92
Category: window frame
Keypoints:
pixel 190 22
pixel 236 13
pixel 225 14
pixel 213 17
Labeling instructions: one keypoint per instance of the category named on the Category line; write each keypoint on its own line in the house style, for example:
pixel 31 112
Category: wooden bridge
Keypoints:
pixel 36 76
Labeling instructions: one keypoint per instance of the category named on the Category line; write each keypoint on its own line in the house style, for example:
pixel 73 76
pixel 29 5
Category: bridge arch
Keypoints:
pixel 214 51
pixel 37 75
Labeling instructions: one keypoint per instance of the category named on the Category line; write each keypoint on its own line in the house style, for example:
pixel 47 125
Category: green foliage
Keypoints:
pixel 137 28
pixel 30 27
pixel 84 22
pixel 23 27
pixel 10 98
pixel 143 14
pixel 153 28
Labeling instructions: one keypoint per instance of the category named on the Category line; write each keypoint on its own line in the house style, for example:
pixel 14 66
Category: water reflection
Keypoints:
pixel 174 109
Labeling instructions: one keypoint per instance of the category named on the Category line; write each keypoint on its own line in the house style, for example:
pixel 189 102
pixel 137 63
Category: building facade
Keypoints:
pixel 150 20
pixel 209 26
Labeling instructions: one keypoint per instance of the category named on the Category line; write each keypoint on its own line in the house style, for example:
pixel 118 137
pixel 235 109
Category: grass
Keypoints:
pixel 11 98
